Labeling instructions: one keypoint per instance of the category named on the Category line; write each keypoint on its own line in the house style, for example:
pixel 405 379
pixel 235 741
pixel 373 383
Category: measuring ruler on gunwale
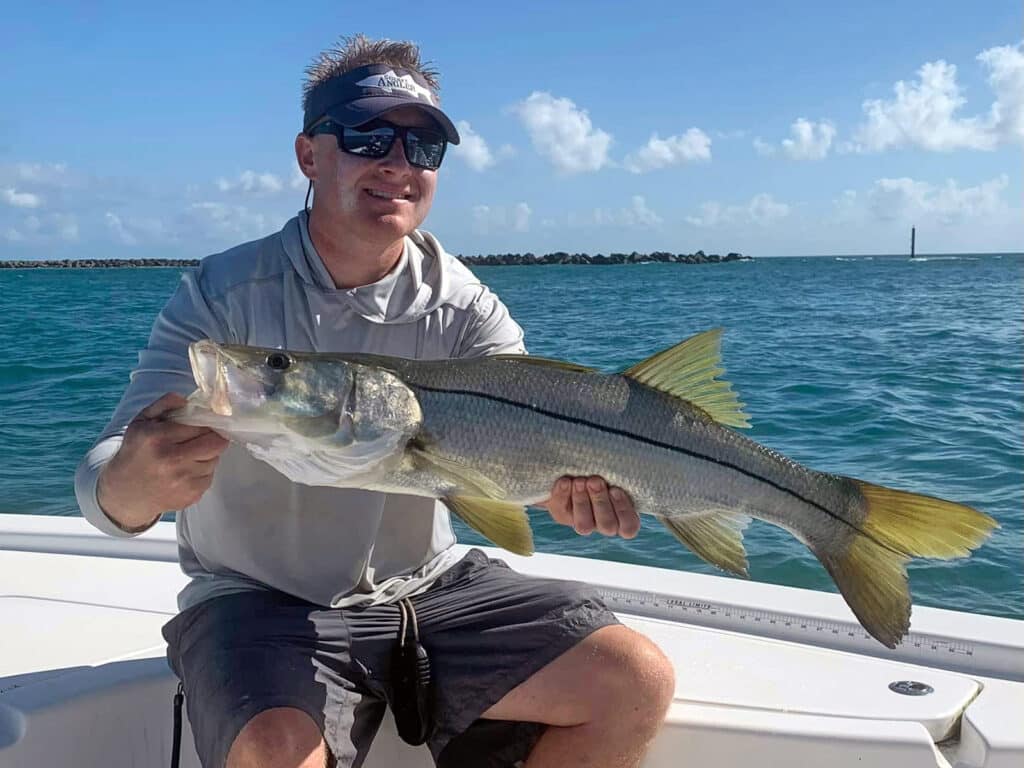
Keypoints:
pixel 918 648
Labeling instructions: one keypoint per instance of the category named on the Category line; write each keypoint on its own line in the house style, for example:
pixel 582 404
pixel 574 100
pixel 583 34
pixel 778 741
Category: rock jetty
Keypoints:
pixel 97 263
pixel 561 257
pixel 491 260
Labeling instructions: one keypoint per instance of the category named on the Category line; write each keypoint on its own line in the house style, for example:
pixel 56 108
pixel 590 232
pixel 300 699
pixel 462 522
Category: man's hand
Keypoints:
pixel 161 466
pixel 586 504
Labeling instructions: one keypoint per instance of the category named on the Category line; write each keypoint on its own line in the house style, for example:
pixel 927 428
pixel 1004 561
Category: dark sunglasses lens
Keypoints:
pixel 373 143
pixel 425 148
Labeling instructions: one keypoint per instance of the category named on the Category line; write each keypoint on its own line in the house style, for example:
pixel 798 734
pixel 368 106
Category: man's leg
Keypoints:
pixel 283 737
pixel 603 701
pixel 268 680
pixel 512 654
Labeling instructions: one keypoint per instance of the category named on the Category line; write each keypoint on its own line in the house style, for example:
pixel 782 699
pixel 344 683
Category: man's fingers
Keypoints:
pixel 604 514
pixel 559 505
pixel 168 402
pixel 205 447
pixel 582 513
pixel 629 520
pixel 178 433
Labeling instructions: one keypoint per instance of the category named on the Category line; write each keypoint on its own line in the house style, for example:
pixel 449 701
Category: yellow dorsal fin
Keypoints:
pixel 507 525
pixel 689 371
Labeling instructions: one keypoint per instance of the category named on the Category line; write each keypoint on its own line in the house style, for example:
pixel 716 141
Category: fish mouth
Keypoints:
pixel 226 386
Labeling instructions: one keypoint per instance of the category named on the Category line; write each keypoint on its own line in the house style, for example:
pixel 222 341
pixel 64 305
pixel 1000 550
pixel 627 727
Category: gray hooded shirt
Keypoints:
pixel 254 528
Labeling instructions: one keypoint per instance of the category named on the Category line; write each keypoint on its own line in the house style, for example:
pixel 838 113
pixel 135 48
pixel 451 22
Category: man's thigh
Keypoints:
pixel 488 629
pixel 244 653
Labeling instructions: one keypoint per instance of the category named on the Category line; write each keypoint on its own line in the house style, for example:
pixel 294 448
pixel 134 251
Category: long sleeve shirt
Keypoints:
pixel 254 528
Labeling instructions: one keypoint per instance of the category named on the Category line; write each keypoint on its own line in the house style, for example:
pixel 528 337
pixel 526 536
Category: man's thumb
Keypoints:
pixel 168 402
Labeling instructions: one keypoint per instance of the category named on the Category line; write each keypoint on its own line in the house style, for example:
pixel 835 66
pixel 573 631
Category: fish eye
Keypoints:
pixel 278 361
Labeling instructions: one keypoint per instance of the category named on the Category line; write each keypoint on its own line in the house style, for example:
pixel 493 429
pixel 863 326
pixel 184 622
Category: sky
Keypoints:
pixel 141 130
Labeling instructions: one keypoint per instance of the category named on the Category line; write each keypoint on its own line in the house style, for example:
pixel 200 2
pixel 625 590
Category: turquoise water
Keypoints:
pixel 904 373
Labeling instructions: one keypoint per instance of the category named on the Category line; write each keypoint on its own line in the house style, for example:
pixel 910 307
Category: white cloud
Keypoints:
pixel 472 149
pixel 18 199
pixel 808 141
pixel 521 217
pixel 66 226
pixel 762 210
pixel 643 215
pixel 250 182
pixel 298 180
pixel 44 174
pixel 487 219
pixel 1006 78
pixel 117 228
pixel 811 141
pixel 763 148
pixel 635 216
pixel 660 153
pixel 133 230
pixel 224 223
pixel 563 133
pixel 46 228
pixel 924 113
pixel 905 199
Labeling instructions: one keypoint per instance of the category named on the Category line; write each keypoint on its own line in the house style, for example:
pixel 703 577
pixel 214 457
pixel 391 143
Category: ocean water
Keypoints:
pixel 906 373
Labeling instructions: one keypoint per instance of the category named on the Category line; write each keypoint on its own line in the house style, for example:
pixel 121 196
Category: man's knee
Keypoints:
pixel 283 737
pixel 636 672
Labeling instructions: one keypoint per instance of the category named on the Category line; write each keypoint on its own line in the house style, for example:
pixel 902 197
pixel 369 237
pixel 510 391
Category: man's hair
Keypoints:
pixel 358 51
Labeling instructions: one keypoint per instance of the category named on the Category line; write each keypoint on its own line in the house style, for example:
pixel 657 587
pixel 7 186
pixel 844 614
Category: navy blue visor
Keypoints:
pixel 367 93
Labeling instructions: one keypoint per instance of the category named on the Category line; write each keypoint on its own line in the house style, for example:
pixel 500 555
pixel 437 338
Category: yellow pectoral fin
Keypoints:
pixel 716 537
pixel 468 479
pixel 689 371
pixel 507 525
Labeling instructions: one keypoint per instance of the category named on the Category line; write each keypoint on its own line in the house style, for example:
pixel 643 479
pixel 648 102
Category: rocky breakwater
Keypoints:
pixel 561 257
pixel 96 263
pixel 495 260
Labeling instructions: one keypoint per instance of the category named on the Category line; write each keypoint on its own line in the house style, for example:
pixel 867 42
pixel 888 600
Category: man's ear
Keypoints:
pixel 304 155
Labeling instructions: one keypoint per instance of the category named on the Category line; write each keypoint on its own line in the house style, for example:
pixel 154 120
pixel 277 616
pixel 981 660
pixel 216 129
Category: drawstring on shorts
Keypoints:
pixel 412 701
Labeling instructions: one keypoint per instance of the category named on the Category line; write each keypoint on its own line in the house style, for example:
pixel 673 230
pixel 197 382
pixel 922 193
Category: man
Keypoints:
pixel 285 637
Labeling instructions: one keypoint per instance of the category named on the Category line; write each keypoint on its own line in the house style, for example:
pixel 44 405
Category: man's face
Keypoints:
pixel 377 200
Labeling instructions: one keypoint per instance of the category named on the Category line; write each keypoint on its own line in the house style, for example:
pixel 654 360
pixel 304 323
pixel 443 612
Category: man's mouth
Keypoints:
pixel 381 194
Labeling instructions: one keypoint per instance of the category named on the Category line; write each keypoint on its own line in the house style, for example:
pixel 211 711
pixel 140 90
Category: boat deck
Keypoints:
pixel 781 673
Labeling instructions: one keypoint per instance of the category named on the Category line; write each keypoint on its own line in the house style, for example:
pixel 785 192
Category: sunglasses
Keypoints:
pixel 424 147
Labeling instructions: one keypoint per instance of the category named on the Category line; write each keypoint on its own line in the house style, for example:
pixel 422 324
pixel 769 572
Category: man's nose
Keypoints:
pixel 395 160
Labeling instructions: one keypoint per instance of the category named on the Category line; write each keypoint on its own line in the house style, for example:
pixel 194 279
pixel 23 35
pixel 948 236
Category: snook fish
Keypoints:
pixel 489 436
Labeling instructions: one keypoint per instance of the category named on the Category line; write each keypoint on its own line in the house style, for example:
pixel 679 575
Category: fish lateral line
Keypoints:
pixel 657 444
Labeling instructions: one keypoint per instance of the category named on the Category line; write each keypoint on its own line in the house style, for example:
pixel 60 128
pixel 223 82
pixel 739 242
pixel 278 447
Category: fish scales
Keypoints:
pixel 673 459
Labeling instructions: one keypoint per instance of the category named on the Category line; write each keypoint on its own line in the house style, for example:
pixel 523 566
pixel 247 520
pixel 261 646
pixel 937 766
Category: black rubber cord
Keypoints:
pixel 179 698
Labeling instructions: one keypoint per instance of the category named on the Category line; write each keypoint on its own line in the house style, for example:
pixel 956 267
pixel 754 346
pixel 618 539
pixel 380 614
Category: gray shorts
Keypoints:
pixel 486 628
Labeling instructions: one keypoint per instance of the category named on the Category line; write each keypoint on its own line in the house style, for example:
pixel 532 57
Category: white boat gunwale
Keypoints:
pixel 64 571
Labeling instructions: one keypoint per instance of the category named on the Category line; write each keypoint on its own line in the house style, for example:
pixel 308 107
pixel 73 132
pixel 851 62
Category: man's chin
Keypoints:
pixel 391 226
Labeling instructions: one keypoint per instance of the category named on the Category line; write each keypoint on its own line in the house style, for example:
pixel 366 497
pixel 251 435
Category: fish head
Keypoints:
pixel 305 399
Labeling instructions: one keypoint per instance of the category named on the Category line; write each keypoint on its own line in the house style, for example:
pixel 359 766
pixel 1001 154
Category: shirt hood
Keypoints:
pixel 417 285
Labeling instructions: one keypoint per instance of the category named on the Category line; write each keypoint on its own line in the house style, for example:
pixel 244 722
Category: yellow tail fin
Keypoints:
pixel 870 570
pixel 923 526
